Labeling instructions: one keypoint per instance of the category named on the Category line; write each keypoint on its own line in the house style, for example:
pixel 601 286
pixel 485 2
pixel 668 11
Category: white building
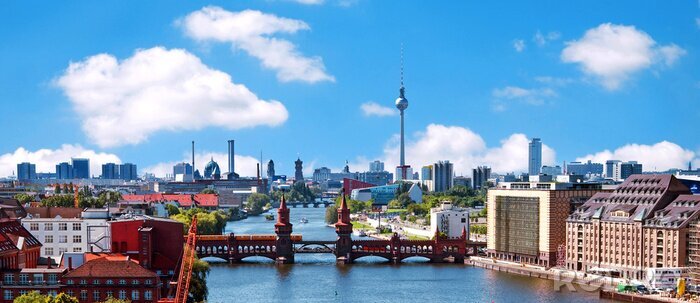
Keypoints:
pixel 665 277
pixel 60 235
pixel 449 219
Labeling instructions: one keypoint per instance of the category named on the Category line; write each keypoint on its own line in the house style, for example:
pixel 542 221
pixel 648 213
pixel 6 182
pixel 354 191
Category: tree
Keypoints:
pixel 24 198
pixel 209 191
pixel 31 297
pixel 113 300
pixel 109 197
pixel 256 202
pixel 331 214
pixel 478 229
pixel 57 188
pixel 172 209
pixel 58 201
pixel 198 283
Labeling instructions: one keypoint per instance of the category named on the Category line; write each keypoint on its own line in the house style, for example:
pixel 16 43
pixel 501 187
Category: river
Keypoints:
pixel 316 278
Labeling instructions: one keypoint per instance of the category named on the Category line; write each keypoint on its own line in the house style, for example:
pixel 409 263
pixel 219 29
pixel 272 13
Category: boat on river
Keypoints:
pixel 269 217
pixel 304 220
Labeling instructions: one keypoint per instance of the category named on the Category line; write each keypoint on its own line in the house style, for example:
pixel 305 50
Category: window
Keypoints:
pixel 33 226
pixel 83 295
pixel 148 295
pixel 48 239
pixel 8 295
pixel 122 294
pixel 62 226
pixel 77 239
pixel 77 249
pixel 464 220
pixel 48 226
pixel 53 279
pixel 62 239
pixel 61 250
pixel 23 292
pixel 135 282
pixel 52 293
pixel 96 282
pixel 135 295
pixel 109 294
pixel 77 226
pixel 96 295
pixel 83 282
pixel 149 282
pixel 69 282
pixel 110 282
pixel 23 278
pixel 48 251
pixel 122 282
pixel 70 292
pixel 38 278
pixel 9 279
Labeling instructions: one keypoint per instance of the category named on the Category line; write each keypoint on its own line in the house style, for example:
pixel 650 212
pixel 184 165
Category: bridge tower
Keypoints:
pixel 343 245
pixel 283 229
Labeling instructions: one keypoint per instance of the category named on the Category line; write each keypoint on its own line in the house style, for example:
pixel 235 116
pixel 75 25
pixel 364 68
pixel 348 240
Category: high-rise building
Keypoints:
pixel 127 171
pixel 426 173
pixel 26 171
pixel 630 168
pixel 403 173
pixel 231 160
pixel 81 168
pixel 535 157
pixel 183 172
pixel 321 174
pixel 442 176
pixel 612 169
pixel 588 168
pixel 376 166
pixel 480 177
pixel 270 172
pixel 110 171
pixel 298 170
pixel 377 178
pixel 64 170
pixel 462 181
pixel 551 170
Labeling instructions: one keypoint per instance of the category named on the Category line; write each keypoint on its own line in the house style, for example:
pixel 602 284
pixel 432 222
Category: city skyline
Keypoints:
pixel 505 79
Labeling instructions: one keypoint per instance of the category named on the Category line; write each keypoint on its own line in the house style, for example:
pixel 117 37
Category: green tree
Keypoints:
pixel 24 198
pixel 209 191
pixel 113 300
pixel 57 188
pixel 58 201
pixel 172 209
pixel 65 189
pixel 31 297
pixel 198 283
pixel 256 202
pixel 478 229
pixel 332 214
pixel 109 197
pixel 62 298
pixel 71 188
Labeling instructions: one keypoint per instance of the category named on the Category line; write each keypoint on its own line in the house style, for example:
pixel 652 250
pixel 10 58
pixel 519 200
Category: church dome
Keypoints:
pixel 212 170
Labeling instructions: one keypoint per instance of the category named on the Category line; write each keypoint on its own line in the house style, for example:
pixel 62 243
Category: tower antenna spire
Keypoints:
pixel 401 64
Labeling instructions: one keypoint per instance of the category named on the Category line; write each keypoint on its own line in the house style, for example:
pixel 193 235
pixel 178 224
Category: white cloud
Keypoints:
pixel 535 96
pixel 46 159
pixel 245 166
pixel 519 45
pixel 657 157
pixel 614 52
pixel 124 102
pixel 374 109
pixel 461 146
pixel 252 31
pixel 541 39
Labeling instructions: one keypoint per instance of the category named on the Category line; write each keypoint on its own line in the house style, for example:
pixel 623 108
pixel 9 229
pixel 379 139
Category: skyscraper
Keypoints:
pixel 64 170
pixel 442 176
pixel 183 172
pixel 231 153
pixel 376 166
pixel 127 171
pixel 110 171
pixel 535 157
pixel 298 174
pixel 402 171
pixel 81 168
pixel 480 176
pixel 26 171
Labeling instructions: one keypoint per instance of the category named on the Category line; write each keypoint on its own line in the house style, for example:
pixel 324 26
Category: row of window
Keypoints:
pixel 63 239
pixel 8 294
pixel 108 282
pixel 61 226
pixel 49 251
pixel 9 279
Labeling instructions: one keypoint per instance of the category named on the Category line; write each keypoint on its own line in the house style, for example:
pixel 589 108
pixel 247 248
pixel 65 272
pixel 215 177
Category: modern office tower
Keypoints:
pixel 463 181
pixel 127 171
pixel 442 176
pixel 525 220
pixel 612 169
pixel 377 178
pixel 110 171
pixel 426 173
pixel 402 171
pixel 551 170
pixel 480 177
pixel 183 172
pixel 81 168
pixel 630 168
pixel 535 157
pixel 588 168
pixel 26 171
pixel 643 224
pixel 298 170
pixel 231 160
pixel 64 170
pixel 376 166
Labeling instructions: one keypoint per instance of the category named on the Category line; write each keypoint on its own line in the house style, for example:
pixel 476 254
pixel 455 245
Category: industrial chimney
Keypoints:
pixel 192 159
pixel 230 157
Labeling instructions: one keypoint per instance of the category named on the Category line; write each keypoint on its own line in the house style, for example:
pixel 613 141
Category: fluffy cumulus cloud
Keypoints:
pixel 245 166
pixel 463 147
pixel 519 45
pixel 252 31
pixel 531 96
pixel 612 53
pixel 661 156
pixel 374 109
pixel 46 159
pixel 157 89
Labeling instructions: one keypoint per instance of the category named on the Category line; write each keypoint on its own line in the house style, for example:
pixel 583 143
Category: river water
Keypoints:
pixel 316 277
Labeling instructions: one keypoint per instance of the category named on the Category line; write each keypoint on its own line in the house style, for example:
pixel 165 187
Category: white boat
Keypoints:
pixel 304 220
pixel 360 233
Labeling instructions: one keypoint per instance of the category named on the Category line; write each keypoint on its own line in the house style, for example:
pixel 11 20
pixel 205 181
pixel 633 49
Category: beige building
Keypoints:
pixel 643 224
pixel 527 220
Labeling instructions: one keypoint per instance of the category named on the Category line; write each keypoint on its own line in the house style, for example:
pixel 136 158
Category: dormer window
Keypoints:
pixel 619 214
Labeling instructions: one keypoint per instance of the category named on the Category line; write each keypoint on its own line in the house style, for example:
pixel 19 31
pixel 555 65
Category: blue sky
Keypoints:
pixel 481 78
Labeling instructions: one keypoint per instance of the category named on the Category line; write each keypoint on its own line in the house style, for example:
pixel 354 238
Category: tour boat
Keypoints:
pixel 304 220
pixel 360 233
pixel 269 217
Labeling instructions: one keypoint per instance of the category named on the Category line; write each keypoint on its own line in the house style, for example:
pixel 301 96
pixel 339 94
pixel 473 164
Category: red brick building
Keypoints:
pixel 19 282
pixel 18 248
pixel 111 276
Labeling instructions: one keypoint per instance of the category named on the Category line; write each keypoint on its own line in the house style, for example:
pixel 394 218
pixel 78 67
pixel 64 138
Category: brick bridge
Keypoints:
pixel 282 245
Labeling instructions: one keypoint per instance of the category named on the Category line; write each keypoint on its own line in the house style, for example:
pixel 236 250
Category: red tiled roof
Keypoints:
pixel 112 266
pixel 13 231
pixel 184 200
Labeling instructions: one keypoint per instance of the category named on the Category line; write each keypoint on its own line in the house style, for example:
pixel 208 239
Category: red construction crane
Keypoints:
pixel 188 256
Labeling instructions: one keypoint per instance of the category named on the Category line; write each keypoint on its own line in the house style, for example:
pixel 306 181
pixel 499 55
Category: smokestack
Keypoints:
pixel 231 152
pixel 70 263
pixel 258 165
pixel 192 159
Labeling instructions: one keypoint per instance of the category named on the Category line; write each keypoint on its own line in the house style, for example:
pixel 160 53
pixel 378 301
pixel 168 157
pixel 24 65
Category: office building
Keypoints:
pixel 376 166
pixel 321 174
pixel 183 172
pixel 526 220
pixel 383 194
pixel 612 169
pixel 127 171
pixel 584 169
pixel 426 173
pixel 110 171
pixel 551 170
pixel 64 171
pixel 619 171
pixel 644 223
pixel 462 181
pixel 403 173
pixel 376 178
pixel 449 220
pixel 81 168
pixel 535 157
pixel 480 177
pixel 26 171
pixel 442 176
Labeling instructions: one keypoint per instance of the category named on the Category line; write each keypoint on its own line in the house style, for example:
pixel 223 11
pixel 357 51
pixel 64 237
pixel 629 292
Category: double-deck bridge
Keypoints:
pixel 283 245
